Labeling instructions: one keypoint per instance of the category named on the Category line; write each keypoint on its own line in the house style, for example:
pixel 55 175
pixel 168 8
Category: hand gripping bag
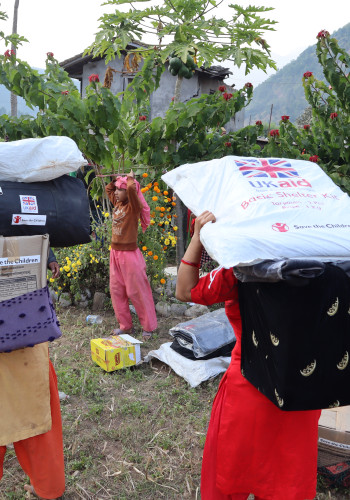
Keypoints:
pixel 59 207
pixel 266 209
pixel 39 159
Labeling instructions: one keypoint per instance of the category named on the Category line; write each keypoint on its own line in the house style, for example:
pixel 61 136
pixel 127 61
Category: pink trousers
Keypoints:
pixel 128 280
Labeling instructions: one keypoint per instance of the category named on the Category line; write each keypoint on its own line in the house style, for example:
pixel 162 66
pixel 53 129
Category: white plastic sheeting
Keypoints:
pixel 265 208
pixel 39 159
pixel 194 372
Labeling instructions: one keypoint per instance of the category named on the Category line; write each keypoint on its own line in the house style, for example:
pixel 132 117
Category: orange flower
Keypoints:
pixel 174 215
pixel 144 190
pixel 173 198
pixel 162 209
pixel 162 281
pixel 154 198
pixel 158 208
pixel 168 216
pixel 145 174
pixel 155 257
pixel 150 253
pixel 152 222
pixel 173 204
pixel 152 214
pixel 160 224
pixel 165 193
pixel 149 185
pixel 156 183
pixel 144 248
pixel 156 189
pixel 165 248
pixel 161 215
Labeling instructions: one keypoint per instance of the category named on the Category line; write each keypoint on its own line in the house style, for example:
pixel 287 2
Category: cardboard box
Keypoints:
pixel 23 264
pixel 334 436
pixel 116 352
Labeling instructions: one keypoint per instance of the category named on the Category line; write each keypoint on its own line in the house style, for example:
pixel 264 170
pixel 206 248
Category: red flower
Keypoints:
pixel 322 34
pixel 65 92
pixel 333 116
pixel 226 96
pixel 49 54
pixel 314 158
pixel 248 85
pixel 258 123
pixel 222 88
pixel 173 98
pixel 9 53
pixel 94 78
pixel 285 118
pixel 274 133
pixel 142 118
pixel 306 127
pixel 307 74
pixel 228 144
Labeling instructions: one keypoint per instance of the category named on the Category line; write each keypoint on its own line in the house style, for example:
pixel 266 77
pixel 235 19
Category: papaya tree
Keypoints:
pixel 187 34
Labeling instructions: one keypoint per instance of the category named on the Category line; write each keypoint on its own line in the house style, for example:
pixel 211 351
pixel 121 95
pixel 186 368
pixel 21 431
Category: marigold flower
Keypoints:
pixel 155 257
pixel 333 115
pixel 152 222
pixel 52 280
pixel 150 253
pixel 106 214
pixel 173 204
pixel 274 133
pixel 161 214
pixel 162 281
pixel 167 241
pixel 222 88
pixel 162 209
pixel 156 183
pixel 145 174
pixel 285 118
pixel 94 78
pixel 9 53
pixel 175 228
pixel 314 158
pixel 144 248
pixel 144 190
pixel 165 193
pixel 306 126
pixel 154 198
pixel 323 34
pixel 258 123
pixel 307 75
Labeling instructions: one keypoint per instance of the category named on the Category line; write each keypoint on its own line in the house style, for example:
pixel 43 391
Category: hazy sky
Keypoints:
pixel 67 27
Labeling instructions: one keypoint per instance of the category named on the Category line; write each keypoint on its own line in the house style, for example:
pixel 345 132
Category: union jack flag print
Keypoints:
pixel 262 167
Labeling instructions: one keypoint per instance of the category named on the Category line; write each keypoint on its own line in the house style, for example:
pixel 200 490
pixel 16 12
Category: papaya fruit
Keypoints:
pixel 184 71
pixel 175 63
pixel 190 62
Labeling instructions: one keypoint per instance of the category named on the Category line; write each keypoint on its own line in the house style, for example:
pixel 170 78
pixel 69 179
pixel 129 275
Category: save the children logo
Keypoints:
pixel 280 227
pixel 16 219
pixel 267 167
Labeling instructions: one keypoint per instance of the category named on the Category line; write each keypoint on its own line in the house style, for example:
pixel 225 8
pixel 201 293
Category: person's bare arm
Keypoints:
pixel 188 276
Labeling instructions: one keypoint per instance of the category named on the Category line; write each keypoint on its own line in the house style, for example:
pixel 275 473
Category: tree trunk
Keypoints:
pixel 14 31
pixel 181 210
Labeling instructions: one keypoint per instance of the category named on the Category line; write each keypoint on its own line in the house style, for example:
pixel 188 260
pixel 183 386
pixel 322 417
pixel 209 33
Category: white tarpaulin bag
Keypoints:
pixel 265 208
pixel 39 159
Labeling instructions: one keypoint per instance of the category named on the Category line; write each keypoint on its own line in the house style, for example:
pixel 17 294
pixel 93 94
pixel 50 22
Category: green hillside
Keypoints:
pixel 284 90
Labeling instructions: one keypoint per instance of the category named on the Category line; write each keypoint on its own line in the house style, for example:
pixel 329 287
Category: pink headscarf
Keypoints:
pixel 145 218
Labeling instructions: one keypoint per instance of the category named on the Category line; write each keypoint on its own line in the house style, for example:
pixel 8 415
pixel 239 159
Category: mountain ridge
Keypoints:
pixel 283 93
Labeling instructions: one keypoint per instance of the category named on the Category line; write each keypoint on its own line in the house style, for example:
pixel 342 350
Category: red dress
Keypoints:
pixel 252 446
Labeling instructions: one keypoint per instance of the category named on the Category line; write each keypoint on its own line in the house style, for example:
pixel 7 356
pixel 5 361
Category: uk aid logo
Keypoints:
pixel 270 173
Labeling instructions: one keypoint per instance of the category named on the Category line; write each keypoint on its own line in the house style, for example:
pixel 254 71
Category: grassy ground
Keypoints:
pixel 134 433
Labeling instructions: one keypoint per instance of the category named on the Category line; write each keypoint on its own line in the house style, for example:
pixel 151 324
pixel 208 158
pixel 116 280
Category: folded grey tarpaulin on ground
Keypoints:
pixel 292 270
pixel 205 334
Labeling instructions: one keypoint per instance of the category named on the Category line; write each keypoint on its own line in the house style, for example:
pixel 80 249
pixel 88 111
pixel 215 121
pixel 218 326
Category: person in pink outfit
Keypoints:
pixel 128 279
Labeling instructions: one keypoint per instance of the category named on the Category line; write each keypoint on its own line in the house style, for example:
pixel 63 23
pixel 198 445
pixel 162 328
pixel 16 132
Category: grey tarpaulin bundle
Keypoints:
pixel 205 337
pixel 59 207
